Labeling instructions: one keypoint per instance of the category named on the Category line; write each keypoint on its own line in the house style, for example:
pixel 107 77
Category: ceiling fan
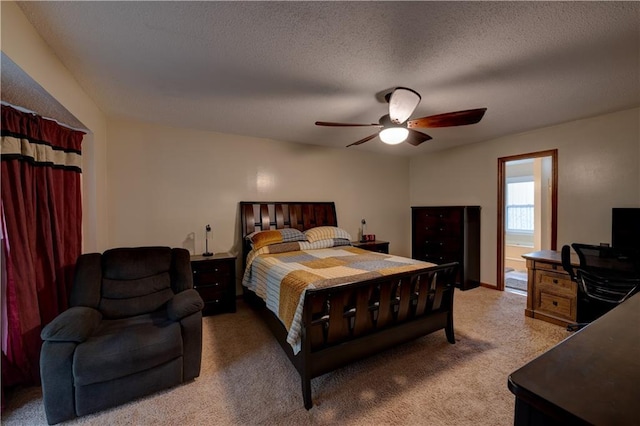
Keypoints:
pixel 396 127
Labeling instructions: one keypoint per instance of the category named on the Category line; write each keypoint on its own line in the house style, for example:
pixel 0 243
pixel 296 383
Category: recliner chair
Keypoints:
pixel 134 327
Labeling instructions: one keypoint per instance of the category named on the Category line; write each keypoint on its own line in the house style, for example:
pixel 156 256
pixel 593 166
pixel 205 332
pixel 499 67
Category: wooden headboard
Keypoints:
pixel 265 215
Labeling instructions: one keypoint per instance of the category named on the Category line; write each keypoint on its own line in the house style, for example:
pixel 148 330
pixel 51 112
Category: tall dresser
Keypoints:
pixel 446 234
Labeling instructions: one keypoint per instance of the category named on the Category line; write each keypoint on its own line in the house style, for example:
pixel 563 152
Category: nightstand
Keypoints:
pixel 377 245
pixel 214 277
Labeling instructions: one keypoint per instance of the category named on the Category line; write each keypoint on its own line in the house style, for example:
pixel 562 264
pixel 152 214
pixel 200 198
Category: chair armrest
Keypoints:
pixel 184 304
pixel 75 324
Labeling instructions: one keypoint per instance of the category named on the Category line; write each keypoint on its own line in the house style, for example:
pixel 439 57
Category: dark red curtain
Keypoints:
pixel 42 219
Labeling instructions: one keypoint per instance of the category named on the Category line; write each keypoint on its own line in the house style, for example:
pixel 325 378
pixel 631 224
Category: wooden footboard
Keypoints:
pixel 352 321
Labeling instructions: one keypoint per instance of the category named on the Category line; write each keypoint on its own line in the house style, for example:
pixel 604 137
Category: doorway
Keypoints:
pixel 527 213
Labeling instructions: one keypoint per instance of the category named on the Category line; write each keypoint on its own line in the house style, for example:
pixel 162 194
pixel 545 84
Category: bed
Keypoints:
pixel 359 314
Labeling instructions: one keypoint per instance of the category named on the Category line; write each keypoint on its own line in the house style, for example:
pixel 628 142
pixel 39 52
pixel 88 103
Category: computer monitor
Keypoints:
pixel 625 227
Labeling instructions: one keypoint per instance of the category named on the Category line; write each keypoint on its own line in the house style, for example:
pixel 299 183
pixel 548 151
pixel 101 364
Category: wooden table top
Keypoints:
pixel 550 256
pixel 593 376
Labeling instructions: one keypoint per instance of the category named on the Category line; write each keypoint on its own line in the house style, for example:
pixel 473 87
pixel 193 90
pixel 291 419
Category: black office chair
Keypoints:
pixel 606 277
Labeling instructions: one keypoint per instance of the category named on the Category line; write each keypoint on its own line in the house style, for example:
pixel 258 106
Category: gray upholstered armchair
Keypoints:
pixel 134 327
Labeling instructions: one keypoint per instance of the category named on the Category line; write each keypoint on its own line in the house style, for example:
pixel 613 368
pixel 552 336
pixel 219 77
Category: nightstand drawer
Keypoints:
pixel 210 278
pixel 211 293
pixel 212 267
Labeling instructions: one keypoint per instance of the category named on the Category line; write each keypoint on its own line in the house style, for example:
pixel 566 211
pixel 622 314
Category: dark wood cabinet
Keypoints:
pixel 214 278
pixel 377 246
pixel 446 234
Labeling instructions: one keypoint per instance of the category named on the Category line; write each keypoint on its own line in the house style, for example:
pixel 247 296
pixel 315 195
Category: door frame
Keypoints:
pixel 553 153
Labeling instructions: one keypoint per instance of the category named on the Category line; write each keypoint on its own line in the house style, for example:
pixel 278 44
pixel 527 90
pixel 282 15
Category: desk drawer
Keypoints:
pixel 560 282
pixel 556 304
pixel 546 266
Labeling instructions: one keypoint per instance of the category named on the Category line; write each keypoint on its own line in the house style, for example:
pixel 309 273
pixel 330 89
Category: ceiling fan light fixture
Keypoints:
pixel 394 135
pixel 402 103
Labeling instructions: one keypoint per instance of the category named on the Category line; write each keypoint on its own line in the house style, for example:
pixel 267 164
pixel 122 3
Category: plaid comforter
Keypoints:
pixel 282 278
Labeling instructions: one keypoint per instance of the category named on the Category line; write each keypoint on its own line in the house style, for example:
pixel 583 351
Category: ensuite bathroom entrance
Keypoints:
pixel 528 214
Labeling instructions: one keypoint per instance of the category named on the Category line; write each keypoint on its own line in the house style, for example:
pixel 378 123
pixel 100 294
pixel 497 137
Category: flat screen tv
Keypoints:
pixel 625 227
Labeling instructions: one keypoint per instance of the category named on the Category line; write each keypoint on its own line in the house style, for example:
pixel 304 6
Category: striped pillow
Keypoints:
pixel 275 236
pixel 326 233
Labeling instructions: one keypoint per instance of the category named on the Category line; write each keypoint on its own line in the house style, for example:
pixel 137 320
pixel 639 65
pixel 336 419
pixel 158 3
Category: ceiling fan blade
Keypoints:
pixel 402 103
pixel 328 123
pixel 363 140
pixel 415 137
pixel 449 119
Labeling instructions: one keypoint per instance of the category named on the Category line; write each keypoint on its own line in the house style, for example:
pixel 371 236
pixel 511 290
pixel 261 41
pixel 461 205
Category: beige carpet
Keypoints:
pixel 246 379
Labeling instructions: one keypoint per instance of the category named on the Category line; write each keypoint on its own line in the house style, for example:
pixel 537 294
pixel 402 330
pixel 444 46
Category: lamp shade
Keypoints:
pixel 394 135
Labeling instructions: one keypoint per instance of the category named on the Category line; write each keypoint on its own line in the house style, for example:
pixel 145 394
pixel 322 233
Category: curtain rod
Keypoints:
pixel 28 111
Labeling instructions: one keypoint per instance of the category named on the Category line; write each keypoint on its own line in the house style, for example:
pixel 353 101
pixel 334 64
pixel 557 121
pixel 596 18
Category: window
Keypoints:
pixel 520 205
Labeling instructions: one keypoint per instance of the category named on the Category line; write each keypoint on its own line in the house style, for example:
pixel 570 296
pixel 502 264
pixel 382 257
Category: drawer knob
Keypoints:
pixel 215 270
pixel 195 272
pixel 555 282
pixel 555 303
pixel 426 228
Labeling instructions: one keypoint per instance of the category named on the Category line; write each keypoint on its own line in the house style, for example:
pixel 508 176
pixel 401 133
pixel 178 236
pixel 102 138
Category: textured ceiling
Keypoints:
pixel 21 90
pixel 271 69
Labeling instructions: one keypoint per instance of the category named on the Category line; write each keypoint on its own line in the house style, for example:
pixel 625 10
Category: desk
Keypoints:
pixel 551 294
pixel 592 377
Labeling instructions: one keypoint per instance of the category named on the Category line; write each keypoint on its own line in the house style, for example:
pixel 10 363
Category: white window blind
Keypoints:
pixel 520 206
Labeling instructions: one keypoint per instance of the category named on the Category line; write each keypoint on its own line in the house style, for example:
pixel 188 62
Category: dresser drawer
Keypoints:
pixel 439 230
pixel 442 245
pixel 436 215
pixel 436 257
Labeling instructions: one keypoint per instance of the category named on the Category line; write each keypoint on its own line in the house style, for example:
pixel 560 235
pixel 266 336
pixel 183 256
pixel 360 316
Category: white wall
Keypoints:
pixel 166 184
pixel 30 52
pixel 598 168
